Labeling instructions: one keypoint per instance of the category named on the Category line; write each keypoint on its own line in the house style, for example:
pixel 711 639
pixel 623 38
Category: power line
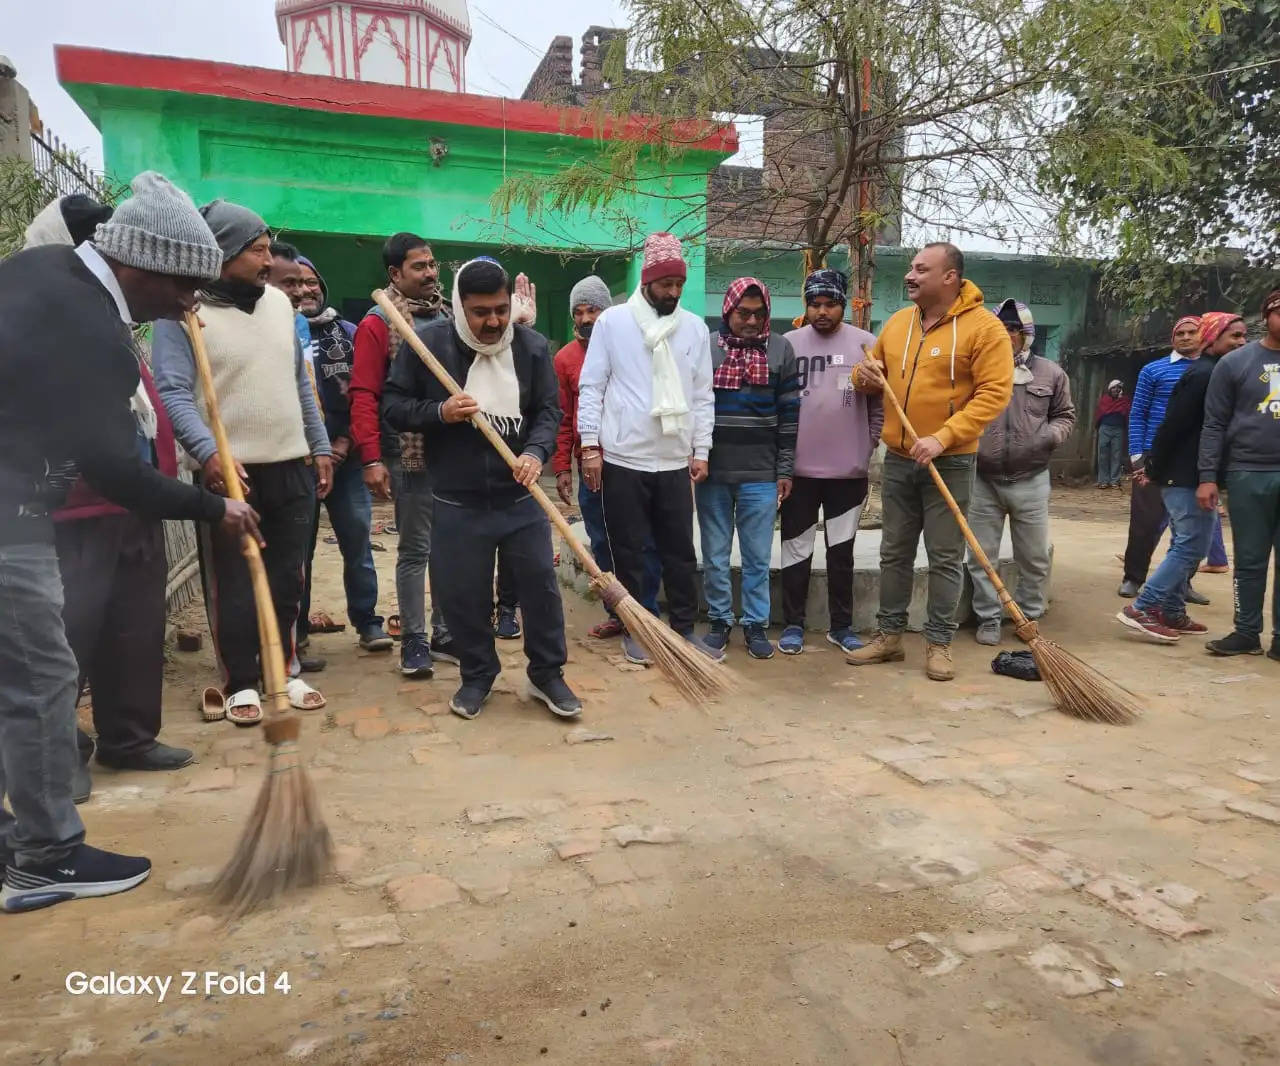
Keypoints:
pixel 503 30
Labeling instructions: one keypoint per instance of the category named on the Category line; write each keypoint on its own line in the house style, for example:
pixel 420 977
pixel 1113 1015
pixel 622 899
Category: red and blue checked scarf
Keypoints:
pixel 744 359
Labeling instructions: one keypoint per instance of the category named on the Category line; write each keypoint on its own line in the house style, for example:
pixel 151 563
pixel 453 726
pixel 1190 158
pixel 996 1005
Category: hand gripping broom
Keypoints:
pixel 286 843
pixel 1078 689
pixel 696 676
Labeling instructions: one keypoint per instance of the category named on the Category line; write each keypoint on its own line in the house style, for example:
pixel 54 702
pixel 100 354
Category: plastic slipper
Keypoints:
pixel 375 546
pixel 300 693
pixel 331 540
pixel 607 629
pixel 322 622
pixel 245 707
pixel 213 705
pixel 393 627
pixel 389 528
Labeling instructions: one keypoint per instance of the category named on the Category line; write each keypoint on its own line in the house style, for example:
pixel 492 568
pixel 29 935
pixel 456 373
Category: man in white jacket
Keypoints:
pixel 646 411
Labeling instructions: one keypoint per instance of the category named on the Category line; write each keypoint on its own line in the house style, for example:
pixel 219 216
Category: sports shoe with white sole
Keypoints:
pixel 1149 624
pixel 558 697
pixel 84 873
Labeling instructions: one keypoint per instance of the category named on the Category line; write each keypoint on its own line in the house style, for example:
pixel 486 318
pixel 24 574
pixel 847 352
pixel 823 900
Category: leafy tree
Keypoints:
pixel 926 119
pixel 1171 168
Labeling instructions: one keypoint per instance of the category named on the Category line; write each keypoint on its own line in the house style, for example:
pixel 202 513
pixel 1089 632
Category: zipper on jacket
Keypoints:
pixel 906 399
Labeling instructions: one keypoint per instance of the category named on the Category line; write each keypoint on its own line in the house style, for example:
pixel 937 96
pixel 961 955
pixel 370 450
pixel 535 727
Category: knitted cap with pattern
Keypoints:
pixel 591 291
pixel 663 258
pixel 159 229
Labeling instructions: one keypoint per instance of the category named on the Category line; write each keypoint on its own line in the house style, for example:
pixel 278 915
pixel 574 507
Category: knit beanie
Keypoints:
pixel 826 282
pixel 591 291
pixel 234 227
pixel 663 258
pixel 159 229
pixel 324 288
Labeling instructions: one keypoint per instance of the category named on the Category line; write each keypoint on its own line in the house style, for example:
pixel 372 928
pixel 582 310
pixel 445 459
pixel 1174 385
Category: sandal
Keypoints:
pixel 393 627
pixel 302 696
pixel 213 705
pixel 245 707
pixel 606 630
pixel 376 547
pixel 322 622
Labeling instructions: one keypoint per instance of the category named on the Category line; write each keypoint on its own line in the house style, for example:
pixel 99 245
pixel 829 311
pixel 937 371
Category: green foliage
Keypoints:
pixel 22 195
pixel 1173 167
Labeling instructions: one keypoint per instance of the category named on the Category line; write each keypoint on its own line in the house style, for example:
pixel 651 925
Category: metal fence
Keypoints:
pixel 60 169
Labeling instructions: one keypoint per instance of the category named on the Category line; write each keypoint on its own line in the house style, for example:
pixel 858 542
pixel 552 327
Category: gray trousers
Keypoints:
pixel 413 504
pixel 911 505
pixel 1026 505
pixel 39 681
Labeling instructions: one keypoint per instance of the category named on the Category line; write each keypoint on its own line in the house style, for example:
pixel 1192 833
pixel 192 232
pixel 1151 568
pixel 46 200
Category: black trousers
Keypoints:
pixel 1147 519
pixel 284 495
pixel 113 579
pixel 463 542
pixel 653 509
pixel 507 596
pixel 840 501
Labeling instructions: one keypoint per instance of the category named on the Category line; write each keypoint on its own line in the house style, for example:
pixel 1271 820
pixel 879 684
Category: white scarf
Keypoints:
pixel 144 412
pixel 669 401
pixel 491 381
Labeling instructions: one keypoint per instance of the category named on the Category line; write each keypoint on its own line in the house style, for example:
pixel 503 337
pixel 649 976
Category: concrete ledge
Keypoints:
pixel 866 580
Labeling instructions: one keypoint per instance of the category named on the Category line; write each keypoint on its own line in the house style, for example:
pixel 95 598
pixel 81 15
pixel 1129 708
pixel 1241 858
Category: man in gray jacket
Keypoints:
pixel 1241 436
pixel 1013 475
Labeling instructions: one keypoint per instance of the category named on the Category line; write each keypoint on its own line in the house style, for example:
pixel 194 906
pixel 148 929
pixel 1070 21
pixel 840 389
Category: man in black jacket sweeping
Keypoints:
pixel 480 507
pixel 68 372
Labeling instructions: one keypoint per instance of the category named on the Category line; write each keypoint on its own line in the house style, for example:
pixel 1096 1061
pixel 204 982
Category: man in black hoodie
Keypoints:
pixel 479 508
pixel 68 372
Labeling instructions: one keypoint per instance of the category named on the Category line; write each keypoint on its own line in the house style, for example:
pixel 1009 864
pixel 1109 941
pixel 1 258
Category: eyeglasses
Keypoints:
pixel 760 314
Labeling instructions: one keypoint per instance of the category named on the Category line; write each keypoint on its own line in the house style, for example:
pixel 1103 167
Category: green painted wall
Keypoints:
pixel 1055 290
pixel 347 181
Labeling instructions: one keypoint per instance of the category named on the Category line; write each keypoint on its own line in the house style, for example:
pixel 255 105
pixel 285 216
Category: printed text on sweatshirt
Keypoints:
pixel 1242 413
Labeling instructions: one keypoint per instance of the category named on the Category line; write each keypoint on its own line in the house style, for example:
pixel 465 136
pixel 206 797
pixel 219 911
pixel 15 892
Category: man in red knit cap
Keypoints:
pixel 646 410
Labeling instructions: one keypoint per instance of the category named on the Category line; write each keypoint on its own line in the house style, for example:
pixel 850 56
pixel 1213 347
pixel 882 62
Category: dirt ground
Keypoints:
pixel 834 867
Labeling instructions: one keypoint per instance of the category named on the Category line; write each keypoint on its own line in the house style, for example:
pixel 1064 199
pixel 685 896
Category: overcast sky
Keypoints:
pixel 244 31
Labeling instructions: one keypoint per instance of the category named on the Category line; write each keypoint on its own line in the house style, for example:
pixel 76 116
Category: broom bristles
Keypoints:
pixel 285 844
pixel 1078 688
pixel 697 677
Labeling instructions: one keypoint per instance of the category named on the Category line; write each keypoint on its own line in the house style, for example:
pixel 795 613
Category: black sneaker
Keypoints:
pixel 558 697
pixel 507 626
pixel 415 656
pixel 444 648
pixel 1192 596
pixel 85 872
pixel 1273 652
pixel 375 638
pixel 157 757
pixel 717 637
pixel 1235 644
pixel 759 646
pixel 467 701
pixel 712 651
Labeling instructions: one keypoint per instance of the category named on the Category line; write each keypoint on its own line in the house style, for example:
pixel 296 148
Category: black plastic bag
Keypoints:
pixel 1019 664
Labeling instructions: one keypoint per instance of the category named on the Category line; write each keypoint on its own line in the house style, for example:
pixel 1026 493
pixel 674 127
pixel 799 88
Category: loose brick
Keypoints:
pixel 1065 971
pixel 923 771
pixel 609 868
pixel 422 892
pixel 376 930
pixel 576 846
pixel 1263 812
pixel 581 735
pixel 643 834
pixel 1136 904
pixel 1176 895
pixel 1074 871
pixel 371 729
pixel 487 887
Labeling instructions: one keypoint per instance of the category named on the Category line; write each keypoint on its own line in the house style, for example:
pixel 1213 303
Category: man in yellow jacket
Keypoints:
pixel 949 362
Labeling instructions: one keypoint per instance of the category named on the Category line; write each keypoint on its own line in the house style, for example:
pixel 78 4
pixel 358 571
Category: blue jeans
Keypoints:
pixel 39 682
pixel 591 504
pixel 351 515
pixel 1191 528
pixel 750 508
pixel 1111 455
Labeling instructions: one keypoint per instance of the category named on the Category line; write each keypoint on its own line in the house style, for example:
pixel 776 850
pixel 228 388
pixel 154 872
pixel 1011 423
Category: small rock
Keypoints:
pixel 375 930
pixel 643 834
pixel 422 892
pixel 387 1014
pixel 582 735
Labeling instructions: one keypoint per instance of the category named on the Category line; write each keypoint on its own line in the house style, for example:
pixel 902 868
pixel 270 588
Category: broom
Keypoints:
pixel 1077 688
pixel 286 843
pixel 697 677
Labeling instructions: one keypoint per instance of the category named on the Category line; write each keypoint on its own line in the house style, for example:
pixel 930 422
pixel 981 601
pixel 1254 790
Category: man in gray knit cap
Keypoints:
pixel 68 377
pixel 587 300
pixel 269 406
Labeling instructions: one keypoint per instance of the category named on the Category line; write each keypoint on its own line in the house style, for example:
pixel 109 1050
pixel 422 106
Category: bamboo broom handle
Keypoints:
pixel 272 652
pixel 1015 612
pixel 481 423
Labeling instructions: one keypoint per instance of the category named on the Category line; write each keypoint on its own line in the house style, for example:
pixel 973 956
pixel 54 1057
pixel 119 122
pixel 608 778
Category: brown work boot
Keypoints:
pixel 882 648
pixel 937 662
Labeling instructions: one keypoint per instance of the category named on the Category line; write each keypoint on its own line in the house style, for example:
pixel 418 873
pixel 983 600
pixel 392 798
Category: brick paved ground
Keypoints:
pixel 830 868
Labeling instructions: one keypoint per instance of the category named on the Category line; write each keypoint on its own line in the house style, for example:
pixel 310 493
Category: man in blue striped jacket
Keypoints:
pixel 753 449
pixel 1147 516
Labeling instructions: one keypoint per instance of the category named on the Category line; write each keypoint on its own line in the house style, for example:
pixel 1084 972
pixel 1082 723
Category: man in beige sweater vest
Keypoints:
pixel 277 436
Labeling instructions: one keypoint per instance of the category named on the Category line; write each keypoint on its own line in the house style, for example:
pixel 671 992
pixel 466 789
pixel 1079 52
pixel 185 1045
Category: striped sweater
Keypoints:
pixel 1151 398
pixel 755 428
